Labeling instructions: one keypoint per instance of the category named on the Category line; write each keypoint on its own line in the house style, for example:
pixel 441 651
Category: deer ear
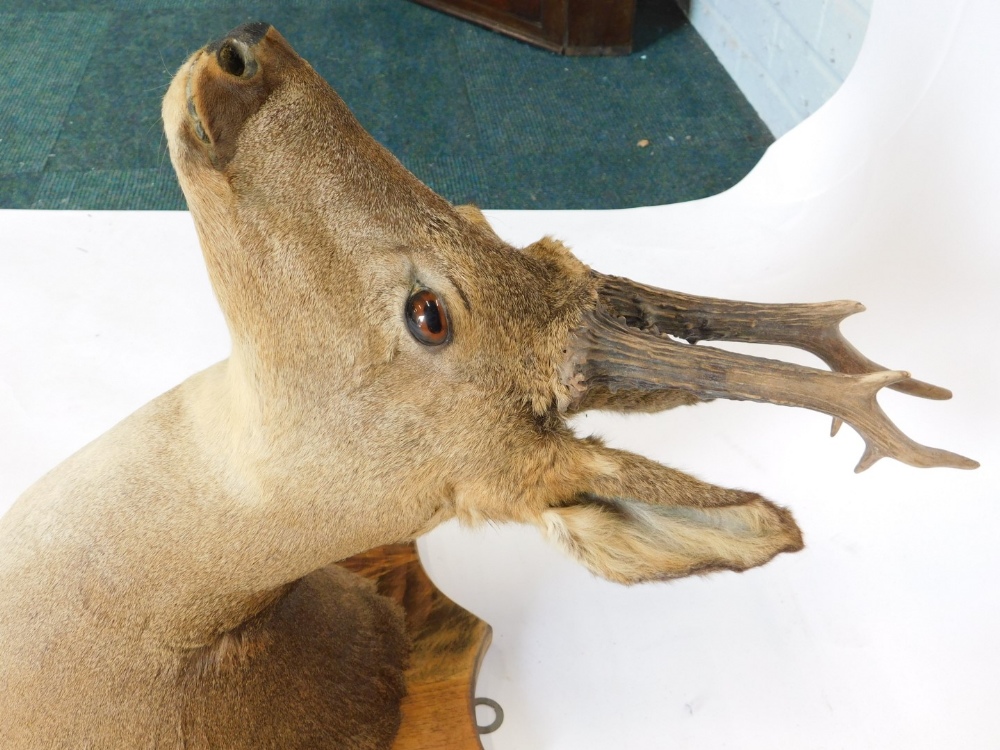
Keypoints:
pixel 473 215
pixel 633 520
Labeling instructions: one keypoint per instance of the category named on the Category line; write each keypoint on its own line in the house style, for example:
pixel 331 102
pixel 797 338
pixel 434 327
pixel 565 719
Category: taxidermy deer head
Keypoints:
pixel 394 364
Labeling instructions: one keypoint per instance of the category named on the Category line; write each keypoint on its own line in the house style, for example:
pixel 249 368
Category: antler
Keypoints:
pixel 625 344
pixel 813 327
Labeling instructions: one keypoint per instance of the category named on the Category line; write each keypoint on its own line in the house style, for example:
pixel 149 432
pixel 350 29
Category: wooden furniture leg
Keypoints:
pixel 569 27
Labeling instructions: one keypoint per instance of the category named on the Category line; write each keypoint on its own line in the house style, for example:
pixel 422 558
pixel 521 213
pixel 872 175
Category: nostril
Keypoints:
pixel 235 58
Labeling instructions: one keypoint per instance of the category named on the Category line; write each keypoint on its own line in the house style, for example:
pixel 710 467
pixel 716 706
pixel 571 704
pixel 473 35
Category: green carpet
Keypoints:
pixel 478 116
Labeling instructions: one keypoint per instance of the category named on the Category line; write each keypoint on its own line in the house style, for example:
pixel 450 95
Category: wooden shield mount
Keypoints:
pixel 449 644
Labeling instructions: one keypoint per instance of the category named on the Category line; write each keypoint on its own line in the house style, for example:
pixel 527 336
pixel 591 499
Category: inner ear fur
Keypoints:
pixel 632 520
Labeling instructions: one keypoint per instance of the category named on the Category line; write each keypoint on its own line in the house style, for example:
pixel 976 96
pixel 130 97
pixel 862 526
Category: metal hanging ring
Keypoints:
pixel 498 715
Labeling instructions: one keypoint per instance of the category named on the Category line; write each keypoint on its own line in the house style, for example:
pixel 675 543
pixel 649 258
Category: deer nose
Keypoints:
pixel 235 51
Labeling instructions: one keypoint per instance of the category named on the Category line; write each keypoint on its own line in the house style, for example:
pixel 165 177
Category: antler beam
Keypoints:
pixel 625 344
pixel 812 327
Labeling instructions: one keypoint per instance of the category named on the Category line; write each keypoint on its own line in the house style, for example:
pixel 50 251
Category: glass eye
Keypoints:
pixel 426 318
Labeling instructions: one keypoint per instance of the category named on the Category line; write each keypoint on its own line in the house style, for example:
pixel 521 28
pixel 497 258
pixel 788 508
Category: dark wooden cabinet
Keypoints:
pixel 570 27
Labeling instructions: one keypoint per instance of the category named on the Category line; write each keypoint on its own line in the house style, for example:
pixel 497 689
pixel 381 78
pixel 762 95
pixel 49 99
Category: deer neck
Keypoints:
pixel 183 522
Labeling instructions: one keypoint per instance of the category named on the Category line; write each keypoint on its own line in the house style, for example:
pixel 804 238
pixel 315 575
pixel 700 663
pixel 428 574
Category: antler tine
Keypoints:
pixel 812 327
pixel 883 438
pixel 607 352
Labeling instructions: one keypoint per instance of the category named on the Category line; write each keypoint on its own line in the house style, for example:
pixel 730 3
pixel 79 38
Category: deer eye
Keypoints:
pixel 426 318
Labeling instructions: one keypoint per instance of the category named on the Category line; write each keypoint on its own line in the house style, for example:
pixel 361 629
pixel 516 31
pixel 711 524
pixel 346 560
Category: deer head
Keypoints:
pixel 395 363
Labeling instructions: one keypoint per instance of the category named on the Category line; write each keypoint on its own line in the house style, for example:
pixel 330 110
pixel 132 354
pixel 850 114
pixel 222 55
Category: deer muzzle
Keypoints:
pixel 228 81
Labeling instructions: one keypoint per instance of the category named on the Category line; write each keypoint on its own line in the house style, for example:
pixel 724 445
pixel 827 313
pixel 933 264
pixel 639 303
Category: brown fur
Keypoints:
pixel 169 585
